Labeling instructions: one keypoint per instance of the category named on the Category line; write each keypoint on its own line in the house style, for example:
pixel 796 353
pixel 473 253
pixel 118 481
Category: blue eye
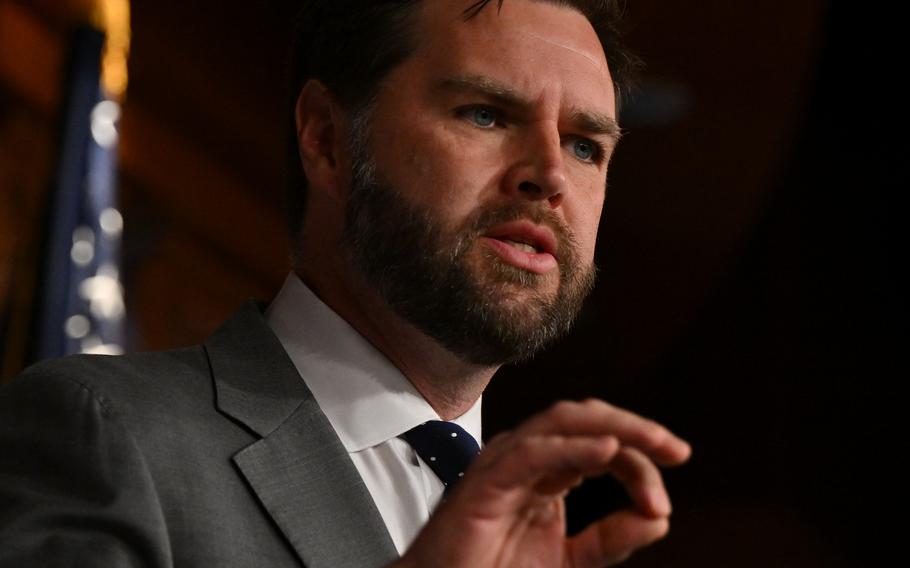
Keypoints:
pixel 584 150
pixel 484 117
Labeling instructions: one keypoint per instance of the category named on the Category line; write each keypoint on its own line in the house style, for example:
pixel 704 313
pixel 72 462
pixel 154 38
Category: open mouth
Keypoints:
pixel 521 245
pixel 524 245
pixel 525 236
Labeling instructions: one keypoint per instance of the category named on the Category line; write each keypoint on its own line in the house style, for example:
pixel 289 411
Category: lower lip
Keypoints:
pixel 537 262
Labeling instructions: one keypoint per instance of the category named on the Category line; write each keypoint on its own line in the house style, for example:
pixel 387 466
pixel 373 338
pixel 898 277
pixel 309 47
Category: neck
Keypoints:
pixel 449 384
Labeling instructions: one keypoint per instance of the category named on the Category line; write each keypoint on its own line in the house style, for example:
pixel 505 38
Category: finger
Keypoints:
pixel 513 475
pixel 612 539
pixel 559 483
pixel 642 481
pixel 596 417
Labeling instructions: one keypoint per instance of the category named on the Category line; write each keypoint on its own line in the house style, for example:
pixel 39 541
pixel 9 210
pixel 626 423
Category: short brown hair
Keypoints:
pixel 350 46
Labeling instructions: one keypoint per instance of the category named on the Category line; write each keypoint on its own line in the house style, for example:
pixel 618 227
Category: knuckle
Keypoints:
pixel 597 404
pixel 562 410
pixel 525 445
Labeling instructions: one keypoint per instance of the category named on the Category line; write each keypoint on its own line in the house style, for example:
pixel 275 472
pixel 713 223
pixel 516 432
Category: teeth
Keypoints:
pixel 521 246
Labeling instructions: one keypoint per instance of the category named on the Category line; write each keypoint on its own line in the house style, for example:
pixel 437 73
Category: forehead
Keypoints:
pixel 541 49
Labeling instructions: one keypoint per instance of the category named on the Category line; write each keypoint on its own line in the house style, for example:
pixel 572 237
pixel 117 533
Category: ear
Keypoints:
pixel 318 118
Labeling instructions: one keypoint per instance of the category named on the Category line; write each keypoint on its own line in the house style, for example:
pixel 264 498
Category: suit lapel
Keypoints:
pixel 299 469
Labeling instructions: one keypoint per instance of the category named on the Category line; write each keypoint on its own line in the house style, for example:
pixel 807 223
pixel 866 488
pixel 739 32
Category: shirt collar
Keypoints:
pixel 365 397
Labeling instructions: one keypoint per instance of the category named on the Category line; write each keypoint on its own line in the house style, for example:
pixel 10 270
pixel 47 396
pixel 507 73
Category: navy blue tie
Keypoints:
pixel 446 447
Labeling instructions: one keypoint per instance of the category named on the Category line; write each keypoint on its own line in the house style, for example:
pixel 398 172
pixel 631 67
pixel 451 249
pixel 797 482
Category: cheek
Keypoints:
pixel 583 216
pixel 436 168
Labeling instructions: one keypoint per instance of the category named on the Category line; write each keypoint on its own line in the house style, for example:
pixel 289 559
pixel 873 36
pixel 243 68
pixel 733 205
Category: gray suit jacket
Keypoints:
pixel 215 456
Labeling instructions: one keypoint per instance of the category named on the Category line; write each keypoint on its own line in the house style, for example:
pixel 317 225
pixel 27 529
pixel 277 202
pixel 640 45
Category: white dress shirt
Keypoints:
pixel 369 404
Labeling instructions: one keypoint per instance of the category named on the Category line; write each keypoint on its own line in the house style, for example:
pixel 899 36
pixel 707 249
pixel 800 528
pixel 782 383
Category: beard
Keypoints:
pixel 448 285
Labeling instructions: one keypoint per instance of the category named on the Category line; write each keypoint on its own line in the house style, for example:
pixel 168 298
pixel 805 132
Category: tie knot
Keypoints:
pixel 446 447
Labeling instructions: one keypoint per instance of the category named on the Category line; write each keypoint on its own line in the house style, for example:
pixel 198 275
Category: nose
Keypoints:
pixel 539 173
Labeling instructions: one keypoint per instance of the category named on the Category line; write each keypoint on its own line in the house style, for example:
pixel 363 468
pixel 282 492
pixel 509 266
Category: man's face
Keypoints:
pixel 478 187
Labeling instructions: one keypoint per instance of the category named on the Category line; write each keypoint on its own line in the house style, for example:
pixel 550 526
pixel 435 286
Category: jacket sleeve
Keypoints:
pixel 74 487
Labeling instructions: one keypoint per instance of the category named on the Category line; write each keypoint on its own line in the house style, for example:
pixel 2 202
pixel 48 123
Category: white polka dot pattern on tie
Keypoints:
pixel 446 447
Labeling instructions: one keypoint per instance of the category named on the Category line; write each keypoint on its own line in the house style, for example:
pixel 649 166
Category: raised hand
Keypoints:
pixel 509 511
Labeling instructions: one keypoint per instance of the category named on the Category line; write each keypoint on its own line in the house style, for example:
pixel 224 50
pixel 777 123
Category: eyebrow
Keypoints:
pixel 590 121
pixel 597 123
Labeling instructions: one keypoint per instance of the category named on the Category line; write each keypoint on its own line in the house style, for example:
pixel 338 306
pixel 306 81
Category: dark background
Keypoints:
pixel 752 285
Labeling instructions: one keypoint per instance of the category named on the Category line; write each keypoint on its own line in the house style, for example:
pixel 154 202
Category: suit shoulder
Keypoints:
pixel 103 371
pixel 130 383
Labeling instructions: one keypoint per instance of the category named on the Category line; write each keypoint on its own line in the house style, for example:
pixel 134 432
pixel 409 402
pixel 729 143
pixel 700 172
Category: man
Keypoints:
pixel 455 159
